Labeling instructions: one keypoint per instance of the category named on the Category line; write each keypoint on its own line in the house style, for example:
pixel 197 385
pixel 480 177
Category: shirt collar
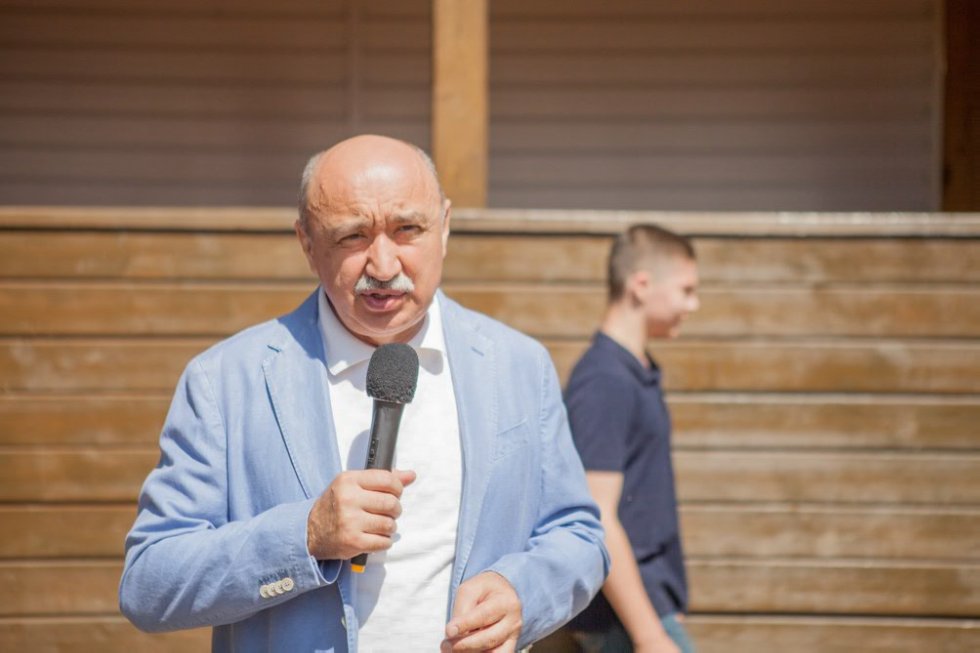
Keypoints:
pixel 345 350
pixel 647 374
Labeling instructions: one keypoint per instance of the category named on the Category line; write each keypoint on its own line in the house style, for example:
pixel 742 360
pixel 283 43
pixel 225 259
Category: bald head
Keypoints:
pixel 374 227
pixel 328 174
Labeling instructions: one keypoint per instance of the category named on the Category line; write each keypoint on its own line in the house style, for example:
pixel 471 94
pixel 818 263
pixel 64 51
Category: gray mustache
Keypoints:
pixel 398 283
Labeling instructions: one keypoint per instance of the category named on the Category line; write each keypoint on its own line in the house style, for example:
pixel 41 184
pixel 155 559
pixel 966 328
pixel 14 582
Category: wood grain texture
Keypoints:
pixel 801 587
pixel 154 365
pixel 804 531
pixel 838 478
pixel 567 311
pixel 39 254
pixel 460 102
pixel 720 585
pixel 95 635
pixel 103 474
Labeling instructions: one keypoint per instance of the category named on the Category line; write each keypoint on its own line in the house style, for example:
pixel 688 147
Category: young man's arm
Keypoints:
pixel 624 587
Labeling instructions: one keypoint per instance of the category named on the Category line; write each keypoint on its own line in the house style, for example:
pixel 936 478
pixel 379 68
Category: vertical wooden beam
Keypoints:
pixel 460 112
pixel 962 107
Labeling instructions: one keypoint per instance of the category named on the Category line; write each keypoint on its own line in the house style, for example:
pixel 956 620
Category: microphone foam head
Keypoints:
pixel 393 373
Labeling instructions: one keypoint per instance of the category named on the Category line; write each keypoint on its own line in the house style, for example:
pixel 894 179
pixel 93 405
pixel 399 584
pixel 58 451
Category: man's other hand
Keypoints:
pixel 486 616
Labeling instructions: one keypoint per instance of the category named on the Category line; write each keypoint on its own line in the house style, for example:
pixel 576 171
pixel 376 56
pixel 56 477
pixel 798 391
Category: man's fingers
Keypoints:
pixel 486 616
pixel 382 480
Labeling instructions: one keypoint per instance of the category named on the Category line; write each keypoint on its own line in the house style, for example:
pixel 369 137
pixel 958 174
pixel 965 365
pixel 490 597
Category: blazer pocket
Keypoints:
pixel 511 440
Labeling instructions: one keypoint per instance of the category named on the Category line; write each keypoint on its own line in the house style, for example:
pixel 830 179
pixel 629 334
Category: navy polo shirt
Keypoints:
pixel 619 422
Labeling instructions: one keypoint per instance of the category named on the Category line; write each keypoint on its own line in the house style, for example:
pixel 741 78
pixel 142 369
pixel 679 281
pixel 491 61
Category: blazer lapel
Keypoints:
pixel 295 374
pixel 473 365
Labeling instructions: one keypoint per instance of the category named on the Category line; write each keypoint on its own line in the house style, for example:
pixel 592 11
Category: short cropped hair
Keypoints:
pixel 639 246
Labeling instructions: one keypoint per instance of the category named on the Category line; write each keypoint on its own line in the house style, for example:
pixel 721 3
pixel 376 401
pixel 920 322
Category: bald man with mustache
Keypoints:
pixel 484 536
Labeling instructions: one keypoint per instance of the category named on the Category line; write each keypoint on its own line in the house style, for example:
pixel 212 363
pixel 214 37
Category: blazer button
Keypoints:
pixel 264 592
pixel 288 584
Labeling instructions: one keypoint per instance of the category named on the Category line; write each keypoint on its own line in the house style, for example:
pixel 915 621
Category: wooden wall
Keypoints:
pixel 826 401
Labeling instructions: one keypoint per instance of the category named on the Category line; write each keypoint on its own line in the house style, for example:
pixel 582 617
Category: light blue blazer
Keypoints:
pixel 248 446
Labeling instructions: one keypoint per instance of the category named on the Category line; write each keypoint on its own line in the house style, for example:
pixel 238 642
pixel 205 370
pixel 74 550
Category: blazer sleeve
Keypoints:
pixel 186 564
pixel 565 561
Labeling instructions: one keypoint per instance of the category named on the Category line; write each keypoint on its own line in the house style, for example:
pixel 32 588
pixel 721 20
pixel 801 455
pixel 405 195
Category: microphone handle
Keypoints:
pixel 381 449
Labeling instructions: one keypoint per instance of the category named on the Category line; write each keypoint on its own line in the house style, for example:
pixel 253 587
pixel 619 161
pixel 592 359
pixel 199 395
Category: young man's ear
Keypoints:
pixel 637 284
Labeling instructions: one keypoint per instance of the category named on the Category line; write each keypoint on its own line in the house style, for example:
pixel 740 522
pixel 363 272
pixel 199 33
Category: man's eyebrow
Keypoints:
pixel 410 216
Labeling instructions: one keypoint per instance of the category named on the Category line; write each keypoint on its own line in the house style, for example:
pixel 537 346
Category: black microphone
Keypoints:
pixel 392 375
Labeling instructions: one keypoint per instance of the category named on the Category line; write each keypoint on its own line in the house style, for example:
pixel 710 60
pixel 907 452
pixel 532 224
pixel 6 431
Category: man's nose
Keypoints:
pixel 382 260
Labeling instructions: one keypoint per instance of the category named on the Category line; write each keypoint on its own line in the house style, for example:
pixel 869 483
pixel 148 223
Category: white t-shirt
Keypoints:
pixel 402 597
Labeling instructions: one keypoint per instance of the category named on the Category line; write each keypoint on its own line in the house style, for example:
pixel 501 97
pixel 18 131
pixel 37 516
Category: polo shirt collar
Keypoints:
pixel 648 375
pixel 345 351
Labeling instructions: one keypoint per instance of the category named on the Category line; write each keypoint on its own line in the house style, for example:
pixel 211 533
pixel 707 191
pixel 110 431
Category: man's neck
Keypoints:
pixel 627 328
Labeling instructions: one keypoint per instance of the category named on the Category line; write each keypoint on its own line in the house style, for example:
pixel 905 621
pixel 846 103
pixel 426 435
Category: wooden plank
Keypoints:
pixel 106 634
pixel 96 474
pixel 70 588
pixel 68 308
pixel 190 310
pixel 154 364
pixel 883 366
pixel 805 634
pixel 709 530
pixel 823 531
pixel 713 634
pixel 86 420
pixel 846 478
pixel 133 255
pixel 574 311
pixel 487 257
pixel 460 105
pixel 95 365
pixel 740 224
pixel 838 587
pixel 103 474
pixel 775 587
pixel 65 531
pixel 822 421
pixel 701 420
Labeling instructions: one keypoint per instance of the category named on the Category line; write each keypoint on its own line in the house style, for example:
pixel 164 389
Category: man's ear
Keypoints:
pixel 446 215
pixel 637 284
pixel 305 242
